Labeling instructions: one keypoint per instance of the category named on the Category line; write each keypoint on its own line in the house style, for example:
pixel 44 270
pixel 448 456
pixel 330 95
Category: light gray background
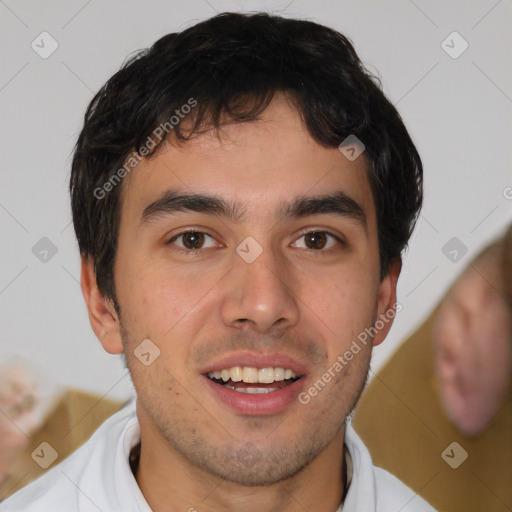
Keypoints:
pixel 457 110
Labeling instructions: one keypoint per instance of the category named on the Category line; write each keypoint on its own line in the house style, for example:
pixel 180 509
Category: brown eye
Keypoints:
pixel 315 240
pixel 318 240
pixel 192 241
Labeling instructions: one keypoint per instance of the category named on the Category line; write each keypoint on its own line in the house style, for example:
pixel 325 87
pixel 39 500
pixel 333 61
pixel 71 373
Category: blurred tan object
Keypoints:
pixel 68 425
pixel 443 425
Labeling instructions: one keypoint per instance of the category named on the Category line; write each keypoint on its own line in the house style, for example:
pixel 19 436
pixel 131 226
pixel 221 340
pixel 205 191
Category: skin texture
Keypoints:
pixel 472 338
pixel 298 301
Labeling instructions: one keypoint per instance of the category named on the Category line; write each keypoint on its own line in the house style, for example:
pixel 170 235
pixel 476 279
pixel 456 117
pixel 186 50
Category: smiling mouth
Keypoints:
pixel 253 380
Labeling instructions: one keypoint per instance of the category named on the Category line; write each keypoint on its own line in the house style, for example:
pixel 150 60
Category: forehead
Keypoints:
pixel 260 166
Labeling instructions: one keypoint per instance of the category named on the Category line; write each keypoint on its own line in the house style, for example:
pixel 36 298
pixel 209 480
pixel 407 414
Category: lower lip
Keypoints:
pixel 257 404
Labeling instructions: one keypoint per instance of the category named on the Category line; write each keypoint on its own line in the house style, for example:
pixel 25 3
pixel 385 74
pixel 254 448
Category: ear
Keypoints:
pixel 102 315
pixel 386 302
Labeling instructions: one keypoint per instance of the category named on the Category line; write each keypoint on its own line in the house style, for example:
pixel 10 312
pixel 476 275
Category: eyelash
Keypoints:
pixel 341 242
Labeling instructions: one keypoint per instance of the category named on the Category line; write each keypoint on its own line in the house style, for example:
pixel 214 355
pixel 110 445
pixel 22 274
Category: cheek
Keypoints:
pixel 154 298
pixel 344 304
pixel 168 307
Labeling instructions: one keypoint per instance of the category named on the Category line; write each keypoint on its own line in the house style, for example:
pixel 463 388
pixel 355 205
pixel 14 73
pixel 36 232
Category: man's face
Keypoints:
pixel 301 301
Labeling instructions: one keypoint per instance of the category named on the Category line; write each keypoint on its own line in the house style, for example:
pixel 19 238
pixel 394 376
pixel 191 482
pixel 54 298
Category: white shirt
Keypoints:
pixel 98 477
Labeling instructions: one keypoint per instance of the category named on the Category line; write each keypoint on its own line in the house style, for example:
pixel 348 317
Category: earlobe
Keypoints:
pixel 386 302
pixel 102 315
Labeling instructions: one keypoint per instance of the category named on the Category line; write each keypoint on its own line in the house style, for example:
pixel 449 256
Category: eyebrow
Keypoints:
pixel 174 201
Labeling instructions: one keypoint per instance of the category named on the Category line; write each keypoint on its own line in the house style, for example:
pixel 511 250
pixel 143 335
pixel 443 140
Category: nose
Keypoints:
pixel 260 295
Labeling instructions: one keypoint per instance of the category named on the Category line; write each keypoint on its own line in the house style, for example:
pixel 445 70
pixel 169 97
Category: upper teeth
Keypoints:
pixel 253 375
